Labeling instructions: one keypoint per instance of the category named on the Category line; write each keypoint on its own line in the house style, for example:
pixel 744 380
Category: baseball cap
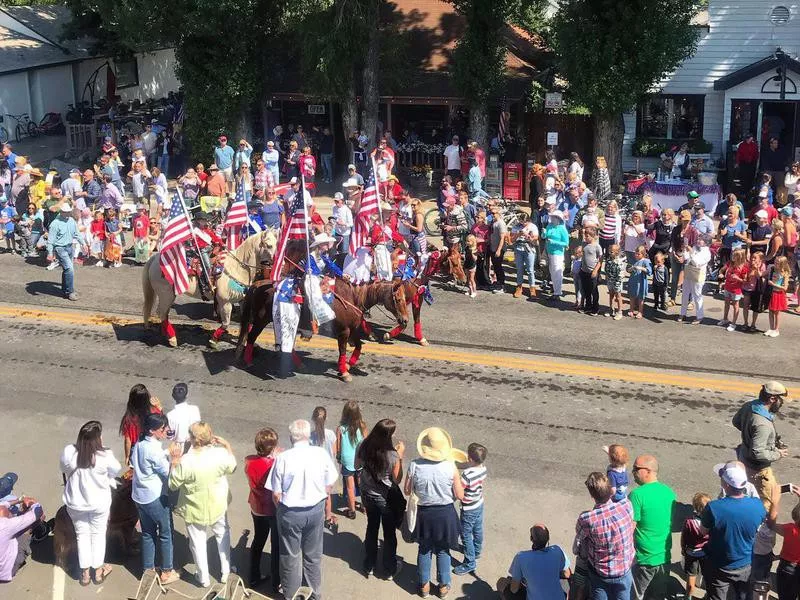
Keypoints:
pixel 762 214
pixel 293 180
pixel 74 171
pixel 270 143
pixel 787 210
pixel 338 196
pixel 775 388
pixel 692 194
pixel 351 167
pixel 732 473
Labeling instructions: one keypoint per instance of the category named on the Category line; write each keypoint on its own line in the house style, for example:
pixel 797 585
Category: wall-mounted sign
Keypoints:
pixel 553 100
pixel 316 109
pixel 552 138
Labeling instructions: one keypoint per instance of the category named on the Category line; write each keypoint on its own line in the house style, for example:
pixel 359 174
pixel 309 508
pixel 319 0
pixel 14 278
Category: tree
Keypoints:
pixel 614 53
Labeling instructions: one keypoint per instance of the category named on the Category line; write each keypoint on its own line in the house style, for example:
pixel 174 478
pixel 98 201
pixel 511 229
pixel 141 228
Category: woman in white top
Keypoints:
pixel 792 181
pixel 90 471
pixel 576 166
pixel 635 235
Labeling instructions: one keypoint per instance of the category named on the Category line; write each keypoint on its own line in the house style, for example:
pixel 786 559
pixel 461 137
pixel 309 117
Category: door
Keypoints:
pixel 778 121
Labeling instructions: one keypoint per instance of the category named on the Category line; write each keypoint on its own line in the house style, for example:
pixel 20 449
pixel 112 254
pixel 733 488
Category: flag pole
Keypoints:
pixel 194 237
pixel 377 188
pixel 306 217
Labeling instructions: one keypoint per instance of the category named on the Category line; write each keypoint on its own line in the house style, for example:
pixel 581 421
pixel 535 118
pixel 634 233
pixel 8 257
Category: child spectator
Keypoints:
pixel 575 270
pixel 97 231
pixel 325 438
pixel 735 275
pixel 615 267
pixel 617 471
pixel 779 281
pixel 257 468
pixel 471 264
pixel 112 251
pixel 637 284
pixel 183 416
pixel 751 291
pixel 472 478
pixel 660 282
pixel 693 542
pixel 7 215
pixel 141 231
pixel 352 429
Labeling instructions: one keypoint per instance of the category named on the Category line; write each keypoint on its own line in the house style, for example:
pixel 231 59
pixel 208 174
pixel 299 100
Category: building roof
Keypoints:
pixel 772 62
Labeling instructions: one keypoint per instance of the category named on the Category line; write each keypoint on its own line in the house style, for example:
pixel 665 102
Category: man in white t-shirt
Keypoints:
pixel 452 158
pixel 343 222
pixel 183 416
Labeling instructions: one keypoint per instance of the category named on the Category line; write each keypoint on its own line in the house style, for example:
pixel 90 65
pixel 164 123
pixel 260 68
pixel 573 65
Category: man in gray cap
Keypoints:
pixel 60 236
pixel 761 445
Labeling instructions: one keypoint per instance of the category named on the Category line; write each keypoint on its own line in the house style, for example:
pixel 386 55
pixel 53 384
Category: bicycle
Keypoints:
pixel 432 222
pixel 3 132
pixel 24 126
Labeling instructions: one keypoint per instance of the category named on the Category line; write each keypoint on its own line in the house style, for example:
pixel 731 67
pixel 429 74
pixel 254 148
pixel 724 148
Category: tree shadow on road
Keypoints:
pixel 44 288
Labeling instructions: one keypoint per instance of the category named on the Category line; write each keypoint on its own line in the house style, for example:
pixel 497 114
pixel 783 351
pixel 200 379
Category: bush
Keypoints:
pixel 645 147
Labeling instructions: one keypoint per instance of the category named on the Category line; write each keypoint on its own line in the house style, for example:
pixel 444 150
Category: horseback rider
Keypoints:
pixel 207 242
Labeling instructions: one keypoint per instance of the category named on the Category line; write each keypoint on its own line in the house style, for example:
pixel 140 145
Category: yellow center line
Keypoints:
pixel 631 374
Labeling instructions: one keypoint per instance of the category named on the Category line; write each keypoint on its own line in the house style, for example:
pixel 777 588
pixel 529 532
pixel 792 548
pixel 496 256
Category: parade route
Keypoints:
pixel 543 419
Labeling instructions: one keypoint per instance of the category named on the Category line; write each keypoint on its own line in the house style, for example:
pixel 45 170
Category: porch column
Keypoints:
pixel 389 125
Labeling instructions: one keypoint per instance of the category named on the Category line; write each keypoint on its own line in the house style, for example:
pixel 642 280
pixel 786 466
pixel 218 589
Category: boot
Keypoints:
pixel 532 292
pixel 518 292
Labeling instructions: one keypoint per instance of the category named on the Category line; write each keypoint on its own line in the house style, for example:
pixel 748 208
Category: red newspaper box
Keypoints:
pixel 512 181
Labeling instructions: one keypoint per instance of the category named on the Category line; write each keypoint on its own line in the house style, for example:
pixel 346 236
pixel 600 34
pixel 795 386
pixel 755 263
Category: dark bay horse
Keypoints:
pixel 349 303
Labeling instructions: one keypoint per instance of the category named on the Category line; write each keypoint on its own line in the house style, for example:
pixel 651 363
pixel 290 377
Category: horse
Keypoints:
pixel 241 267
pixel 121 532
pixel 349 303
pixel 447 262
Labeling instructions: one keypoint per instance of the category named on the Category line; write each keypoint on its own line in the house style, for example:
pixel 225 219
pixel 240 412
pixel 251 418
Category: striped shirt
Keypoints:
pixel 472 479
pixel 612 228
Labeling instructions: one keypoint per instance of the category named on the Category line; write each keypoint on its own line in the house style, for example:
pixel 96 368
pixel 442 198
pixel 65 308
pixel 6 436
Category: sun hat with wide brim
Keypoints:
pixel 322 238
pixel 435 444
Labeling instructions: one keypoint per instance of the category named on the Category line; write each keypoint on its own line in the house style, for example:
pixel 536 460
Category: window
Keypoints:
pixel 127 73
pixel 671 117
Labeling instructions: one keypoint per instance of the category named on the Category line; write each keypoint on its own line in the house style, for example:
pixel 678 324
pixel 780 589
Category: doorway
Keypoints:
pixel 778 120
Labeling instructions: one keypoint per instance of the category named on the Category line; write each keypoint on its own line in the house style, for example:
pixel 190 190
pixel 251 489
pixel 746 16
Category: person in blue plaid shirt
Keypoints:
pixel 605 534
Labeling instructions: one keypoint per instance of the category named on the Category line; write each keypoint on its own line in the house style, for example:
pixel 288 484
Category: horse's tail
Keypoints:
pixel 246 307
pixel 148 291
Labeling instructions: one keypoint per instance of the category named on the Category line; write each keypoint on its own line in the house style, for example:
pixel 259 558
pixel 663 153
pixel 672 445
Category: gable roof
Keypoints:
pixel 772 62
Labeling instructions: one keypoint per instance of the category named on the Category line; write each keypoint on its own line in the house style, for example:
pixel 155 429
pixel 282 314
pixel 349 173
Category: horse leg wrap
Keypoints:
pixel 355 356
pixel 366 327
pixel 343 363
pixel 248 353
pixel 418 331
pixel 167 329
pixel 218 333
pixel 396 331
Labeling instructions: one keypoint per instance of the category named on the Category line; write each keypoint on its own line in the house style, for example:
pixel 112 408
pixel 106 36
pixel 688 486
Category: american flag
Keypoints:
pixel 235 225
pixel 505 117
pixel 369 207
pixel 296 229
pixel 173 255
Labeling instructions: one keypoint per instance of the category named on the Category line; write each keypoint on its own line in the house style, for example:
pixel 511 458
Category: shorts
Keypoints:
pixel 228 173
pixel 348 473
pixel 692 564
pixel 732 296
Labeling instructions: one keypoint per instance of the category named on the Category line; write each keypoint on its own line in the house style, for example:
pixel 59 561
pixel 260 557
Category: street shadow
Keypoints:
pixel 188 335
pixel 195 310
pixel 476 589
pixel 44 288
pixel 345 546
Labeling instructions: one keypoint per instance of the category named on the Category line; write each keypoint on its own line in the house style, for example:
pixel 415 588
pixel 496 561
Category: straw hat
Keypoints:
pixel 435 444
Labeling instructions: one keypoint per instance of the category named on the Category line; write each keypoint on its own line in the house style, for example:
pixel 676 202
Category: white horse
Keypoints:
pixel 241 267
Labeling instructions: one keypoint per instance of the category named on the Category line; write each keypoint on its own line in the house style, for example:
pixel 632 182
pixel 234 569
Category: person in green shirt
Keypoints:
pixel 652 503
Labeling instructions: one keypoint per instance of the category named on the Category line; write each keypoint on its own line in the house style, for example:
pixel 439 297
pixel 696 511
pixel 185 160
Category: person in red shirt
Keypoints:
pixel 140 404
pixel 480 156
pixel 746 161
pixel 98 235
pixel 307 164
pixel 736 272
pixel 315 220
pixel 257 468
pixel 763 204
pixel 201 175
pixel 141 230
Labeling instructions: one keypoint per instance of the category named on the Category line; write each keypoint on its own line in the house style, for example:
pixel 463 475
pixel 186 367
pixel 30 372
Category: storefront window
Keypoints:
pixel 671 117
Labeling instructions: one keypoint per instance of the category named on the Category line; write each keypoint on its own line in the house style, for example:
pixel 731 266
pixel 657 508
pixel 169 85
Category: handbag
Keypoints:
pixel 409 526
pixel 396 503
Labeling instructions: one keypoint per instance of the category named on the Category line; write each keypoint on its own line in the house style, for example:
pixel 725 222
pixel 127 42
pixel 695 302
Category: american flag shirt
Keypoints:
pixel 605 536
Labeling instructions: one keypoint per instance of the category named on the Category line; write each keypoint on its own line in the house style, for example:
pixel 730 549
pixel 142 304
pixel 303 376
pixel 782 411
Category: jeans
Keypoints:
pixel 327 166
pixel 163 164
pixel 425 558
pixel 378 514
pixel 472 534
pixel 720 581
pixel 64 257
pixel 611 588
pixel 156 522
pixel 525 261
pixel 301 532
pixel 263 528
pixel 788 580
pixel 650 581
pixel 590 295
pixel 675 269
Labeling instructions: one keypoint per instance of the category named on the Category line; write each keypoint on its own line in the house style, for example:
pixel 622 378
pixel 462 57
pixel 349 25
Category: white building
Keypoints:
pixel 731 86
pixel 41 74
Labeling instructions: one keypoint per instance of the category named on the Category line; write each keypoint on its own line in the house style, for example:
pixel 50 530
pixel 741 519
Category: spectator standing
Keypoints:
pixel 747 161
pixel 652 504
pixel 694 540
pixel 497 244
pixel 760 444
pixel 183 416
pixel 300 481
pixel 617 471
pixel 472 479
pixel 380 463
pixel 351 431
pixel 242 155
pixel 61 235
pixel 71 186
pixel 536 573
pixel 216 184
pixel 525 237
pixel 326 155
pixel 150 145
pixel 343 222
pixel 271 158
pixel 150 474
pixel 611 231
pixel 452 159
pixel 694 278
pixel 787 572
pixel 9 156
pixel 200 478
pixel 732 523
pixel 773 161
pixel 435 480
pixel 590 271
pixel 223 159
pixel 89 470
pixel 20 186
pixel 605 535
pixel 257 468
pixel 557 241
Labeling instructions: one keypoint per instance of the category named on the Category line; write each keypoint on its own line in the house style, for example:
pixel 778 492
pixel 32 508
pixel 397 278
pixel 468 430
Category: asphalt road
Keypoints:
pixel 543 417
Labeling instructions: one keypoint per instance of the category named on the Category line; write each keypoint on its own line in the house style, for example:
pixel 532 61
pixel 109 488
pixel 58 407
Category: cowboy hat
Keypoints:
pixel 322 238
pixel 34 172
pixel 213 168
pixel 435 444
pixel 351 183
pixel 21 162
pixel 66 208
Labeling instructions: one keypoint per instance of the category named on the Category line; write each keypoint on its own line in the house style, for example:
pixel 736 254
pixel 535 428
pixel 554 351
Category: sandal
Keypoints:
pixel 350 514
pixel 443 591
pixel 86 578
pixel 100 576
pixel 425 590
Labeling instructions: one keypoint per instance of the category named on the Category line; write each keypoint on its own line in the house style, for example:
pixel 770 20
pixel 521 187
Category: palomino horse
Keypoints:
pixel 241 268
pixel 444 261
pixel 349 303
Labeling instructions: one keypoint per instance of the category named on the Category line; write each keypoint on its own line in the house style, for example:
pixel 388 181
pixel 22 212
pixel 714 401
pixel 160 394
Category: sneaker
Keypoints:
pixel 117 265
pixel 168 577
pixel 679 320
pixel 73 297
pixel 731 327
pixel 52 265
pixel 768 333
pixel 463 569
pixel 473 295
pixel 498 291
pixel 467 293
pixel 775 333
pixel 99 263
pixel 397 568
pixel 618 317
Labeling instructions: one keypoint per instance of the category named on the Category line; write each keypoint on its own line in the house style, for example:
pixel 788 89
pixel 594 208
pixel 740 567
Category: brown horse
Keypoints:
pixel 440 261
pixel 349 303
